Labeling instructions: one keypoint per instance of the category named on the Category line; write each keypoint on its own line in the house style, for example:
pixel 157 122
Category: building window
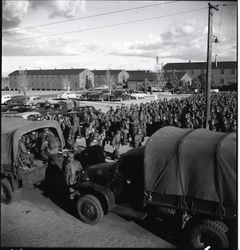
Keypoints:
pixel 232 71
pixel 222 71
pixel 222 81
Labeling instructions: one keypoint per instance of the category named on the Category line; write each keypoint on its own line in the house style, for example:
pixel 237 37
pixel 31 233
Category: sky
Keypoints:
pixel 126 35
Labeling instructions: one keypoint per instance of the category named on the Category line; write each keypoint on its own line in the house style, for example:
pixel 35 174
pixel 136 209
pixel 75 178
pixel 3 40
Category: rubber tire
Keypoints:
pixel 214 229
pixel 223 225
pixel 5 185
pixel 95 204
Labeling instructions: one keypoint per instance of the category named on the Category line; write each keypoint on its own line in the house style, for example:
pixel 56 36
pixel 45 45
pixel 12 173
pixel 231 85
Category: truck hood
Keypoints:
pixel 102 173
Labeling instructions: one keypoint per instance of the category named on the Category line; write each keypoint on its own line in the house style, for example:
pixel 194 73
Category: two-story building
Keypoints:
pixel 119 77
pixel 139 77
pixel 52 79
pixel 223 73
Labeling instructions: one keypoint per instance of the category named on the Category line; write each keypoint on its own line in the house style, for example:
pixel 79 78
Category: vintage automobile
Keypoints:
pixel 96 96
pixel 61 107
pixel 86 96
pixel 13 174
pixel 189 175
pixel 119 95
pixel 5 107
pixel 5 98
pixel 16 99
pixel 32 100
pixel 29 115
pixel 67 95
pixel 43 107
pixel 137 95
pixel 18 108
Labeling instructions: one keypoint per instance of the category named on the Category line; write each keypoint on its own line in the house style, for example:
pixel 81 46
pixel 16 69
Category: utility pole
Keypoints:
pixel 209 61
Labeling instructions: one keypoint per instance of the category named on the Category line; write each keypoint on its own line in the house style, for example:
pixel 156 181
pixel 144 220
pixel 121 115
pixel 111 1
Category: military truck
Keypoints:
pixel 186 174
pixel 13 174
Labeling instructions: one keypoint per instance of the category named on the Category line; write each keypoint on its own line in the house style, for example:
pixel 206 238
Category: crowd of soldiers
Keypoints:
pixel 131 124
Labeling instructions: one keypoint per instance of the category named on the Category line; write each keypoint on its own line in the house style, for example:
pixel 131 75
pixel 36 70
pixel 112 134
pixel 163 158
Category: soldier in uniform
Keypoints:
pixel 72 171
pixel 26 158
pixel 116 143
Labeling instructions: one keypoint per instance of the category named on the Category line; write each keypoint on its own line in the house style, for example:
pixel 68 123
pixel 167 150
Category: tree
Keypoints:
pixel 66 84
pixel 202 79
pixel 109 81
pixel 172 81
pixel 23 82
pixel 196 84
pixel 160 74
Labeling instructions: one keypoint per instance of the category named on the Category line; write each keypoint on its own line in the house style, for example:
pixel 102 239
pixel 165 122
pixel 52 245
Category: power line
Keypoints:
pixel 86 17
pixel 109 26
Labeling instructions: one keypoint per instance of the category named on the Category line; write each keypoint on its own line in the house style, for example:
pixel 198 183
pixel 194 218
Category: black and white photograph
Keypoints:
pixel 119 124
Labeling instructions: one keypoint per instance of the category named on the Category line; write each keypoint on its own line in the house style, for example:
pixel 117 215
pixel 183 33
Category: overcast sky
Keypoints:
pixel 179 34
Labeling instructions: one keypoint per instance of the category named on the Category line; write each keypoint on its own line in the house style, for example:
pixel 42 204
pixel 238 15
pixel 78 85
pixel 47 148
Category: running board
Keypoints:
pixel 129 212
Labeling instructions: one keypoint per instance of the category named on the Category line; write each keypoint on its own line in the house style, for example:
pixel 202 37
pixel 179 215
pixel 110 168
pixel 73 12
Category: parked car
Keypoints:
pixel 5 98
pixel 96 96
pixel 31 115
pixel 189 175
pixel 137 95
pixel 13 109
pixel 61 107
pixel 5 107
pixel 17 99
pixel 67 95
pixel 86 96
pixel 13 174
pixel 43 107
pixel 119 95
pixel 32 100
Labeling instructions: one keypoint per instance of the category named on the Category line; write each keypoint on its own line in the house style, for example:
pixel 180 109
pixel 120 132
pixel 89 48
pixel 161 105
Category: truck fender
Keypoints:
pixel 105 195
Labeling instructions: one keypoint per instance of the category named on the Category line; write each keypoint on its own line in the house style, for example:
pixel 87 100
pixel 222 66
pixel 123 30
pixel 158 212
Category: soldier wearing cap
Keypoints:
pixel 116 143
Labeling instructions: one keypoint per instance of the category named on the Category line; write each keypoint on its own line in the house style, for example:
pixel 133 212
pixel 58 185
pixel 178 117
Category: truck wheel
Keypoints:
pixel 89 209
pixel 209 233
pixel 6 192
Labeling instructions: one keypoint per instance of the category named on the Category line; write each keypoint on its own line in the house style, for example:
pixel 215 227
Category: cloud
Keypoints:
pixel 185 41
pixel 13 12
pixel 44 46
pixel 59 8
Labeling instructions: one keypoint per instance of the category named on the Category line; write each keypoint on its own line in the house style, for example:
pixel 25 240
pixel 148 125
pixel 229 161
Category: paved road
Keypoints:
pixel 34 220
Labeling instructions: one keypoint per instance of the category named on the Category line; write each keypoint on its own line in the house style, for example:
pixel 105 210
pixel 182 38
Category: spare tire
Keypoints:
pixel 209 233
pixel 6 191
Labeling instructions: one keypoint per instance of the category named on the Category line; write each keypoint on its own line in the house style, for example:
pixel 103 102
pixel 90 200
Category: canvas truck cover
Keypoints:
pixel 198 163
pixel 12 129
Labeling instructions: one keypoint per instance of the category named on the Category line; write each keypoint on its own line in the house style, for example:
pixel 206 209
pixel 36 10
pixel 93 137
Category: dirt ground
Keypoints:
pixel 34 220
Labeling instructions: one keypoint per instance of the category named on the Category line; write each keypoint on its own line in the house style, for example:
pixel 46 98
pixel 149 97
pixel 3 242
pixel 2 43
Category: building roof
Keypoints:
pixel 140 75
pixel 104 72
pixel 200 65
pixel 50 72
pixel 178 74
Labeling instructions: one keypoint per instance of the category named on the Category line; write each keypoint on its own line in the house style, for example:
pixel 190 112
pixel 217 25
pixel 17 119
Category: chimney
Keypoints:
pixel 189 61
